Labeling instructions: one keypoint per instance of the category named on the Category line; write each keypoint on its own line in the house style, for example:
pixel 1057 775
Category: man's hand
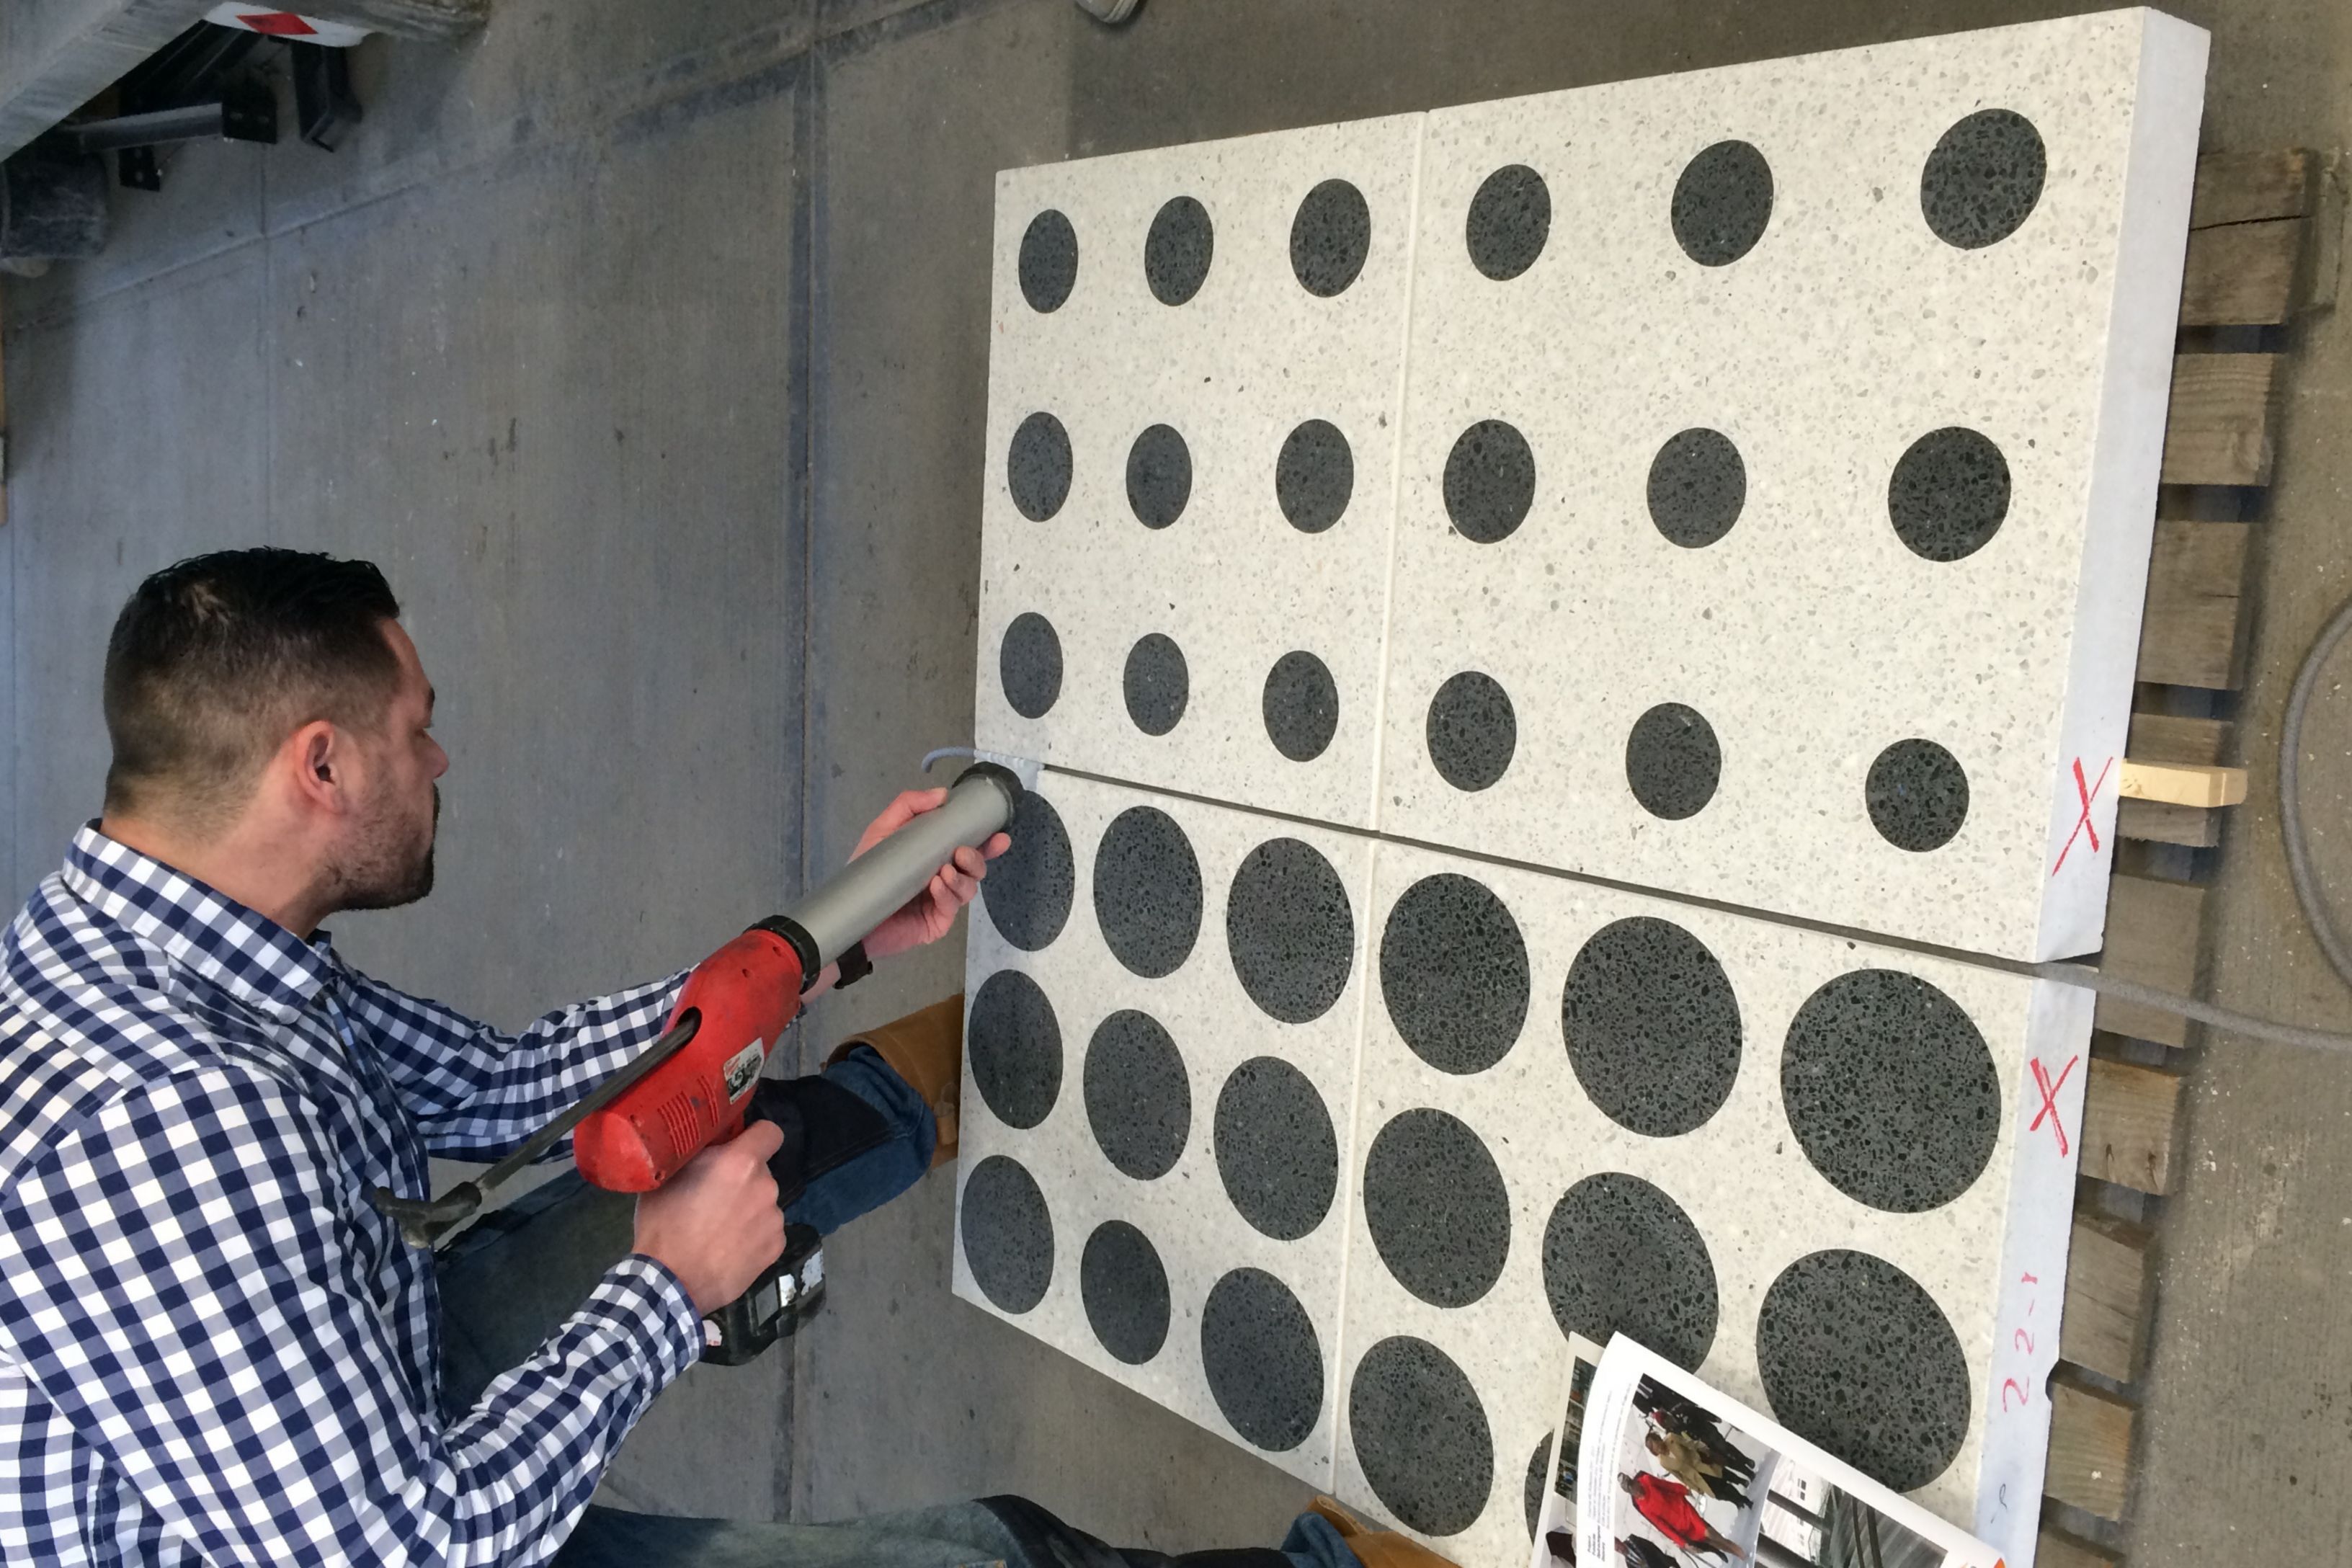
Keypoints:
pixel 716 1223
pixel 930 914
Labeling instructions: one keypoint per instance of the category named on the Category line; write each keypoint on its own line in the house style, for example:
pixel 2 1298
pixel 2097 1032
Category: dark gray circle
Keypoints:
pixel 1510 219
pixel 1672 762
pixel 1437 1208
pixel 1471 730
pixel 1981 182
pixel 1697 485
pixel 1262 1360
pixel 1008 1235
pixel 1029 664
pixel 1139 1099
pixel 1620 1257
pixel 1949 493
pixel 1329 238
pixel 1290 930
pixel 1159 476
pixel 1722 204
pixel 1014 1043
pixel 1891 1091
pixel 1421 1436
pixel 1125 1288
pixel 1049 261
pixel 1147 891
pixel 1037 467
pixel 1301 706
pixel 1539 1474
pixel 1314 475
pixel 1651 1027
pixel 1917 794
pixel 1856 1357
pixel 1029 886
pixel 1453 974
pixel 1177 251
pixel 1157 683
pixel 1276 1151
pixel 1490 481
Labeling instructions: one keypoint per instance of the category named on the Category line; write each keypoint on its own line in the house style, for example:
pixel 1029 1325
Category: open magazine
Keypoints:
pixel 1652 1468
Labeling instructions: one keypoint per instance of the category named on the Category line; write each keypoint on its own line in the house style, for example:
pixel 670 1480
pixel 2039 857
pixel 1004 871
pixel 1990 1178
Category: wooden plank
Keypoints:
pixel 2180 783
pixel 2243 275
pixel 2168 738
pixel 2248 187
pixel 2219 428
pixel 2154 931
pixel 2090 1447
pixel 2110 1277
pixel 2153 822
pixel 2129 1116
pixel 2057 1549
pixel 2193 627
pixel 436 20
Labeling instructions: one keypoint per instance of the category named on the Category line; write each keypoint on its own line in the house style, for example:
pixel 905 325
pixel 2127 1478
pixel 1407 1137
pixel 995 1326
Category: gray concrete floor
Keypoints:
pixel 646 346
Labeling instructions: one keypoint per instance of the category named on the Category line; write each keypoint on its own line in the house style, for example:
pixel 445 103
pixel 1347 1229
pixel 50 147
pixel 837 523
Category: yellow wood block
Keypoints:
pixel 2181 783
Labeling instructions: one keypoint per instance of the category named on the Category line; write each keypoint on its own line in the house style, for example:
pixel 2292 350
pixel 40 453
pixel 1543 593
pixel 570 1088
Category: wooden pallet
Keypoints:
pixel 2264 233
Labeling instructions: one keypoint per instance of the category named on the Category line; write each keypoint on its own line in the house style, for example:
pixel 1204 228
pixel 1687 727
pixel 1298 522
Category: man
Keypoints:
pixel 1667 1505
pixel 1682 1458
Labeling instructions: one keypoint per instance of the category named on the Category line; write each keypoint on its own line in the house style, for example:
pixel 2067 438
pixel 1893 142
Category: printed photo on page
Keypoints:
pixel 1555 1526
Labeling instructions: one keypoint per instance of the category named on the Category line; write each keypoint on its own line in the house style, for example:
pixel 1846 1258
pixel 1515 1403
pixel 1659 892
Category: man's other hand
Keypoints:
pixel 716 1223
pixel 930 914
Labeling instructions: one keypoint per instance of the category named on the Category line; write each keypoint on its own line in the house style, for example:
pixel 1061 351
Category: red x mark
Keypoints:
pixel 2050 1099
pixel 2083 822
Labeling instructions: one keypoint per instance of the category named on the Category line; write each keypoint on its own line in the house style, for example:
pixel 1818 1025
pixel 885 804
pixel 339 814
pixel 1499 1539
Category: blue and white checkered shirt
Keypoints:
pixel 212 1347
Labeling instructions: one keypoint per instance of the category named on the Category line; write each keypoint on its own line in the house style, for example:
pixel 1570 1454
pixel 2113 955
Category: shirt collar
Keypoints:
pixel 201 929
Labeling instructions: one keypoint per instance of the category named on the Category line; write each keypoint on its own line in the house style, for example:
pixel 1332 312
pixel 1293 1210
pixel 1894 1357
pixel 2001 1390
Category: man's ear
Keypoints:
pixel 320 764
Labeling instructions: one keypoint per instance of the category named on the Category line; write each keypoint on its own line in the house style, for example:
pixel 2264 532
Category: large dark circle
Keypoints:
pixel 1177 252
pixel 1029 664
pixel 1722 204
pixel 1290 930
pixel 1049 261
pixel 1008 1234
pixel 1147 891
pixel 1510 219
pixel 1697 485
pixel 1855 1356
pixel 1029 886
pixel 1037 467
pixel 1314 475
pixel 1672 762
pixel 1453 974
pixel 1262 1360
pixel 1472 730
pixel 1329 238
pixel 1891 1091
pixel 1157 683
pixel 1139 1097
pixel 1421 1436
pixel 1490 481
pixel 1949 493
pixel 1980 184
pixel 1301 706
pixel 1651 1027
pixel 1917 794
pixel 1620 1257
pixel 1124 1287
pixel 1014 1043
pixel 1278 1154
pixel 1437 1208
pixel 1159 476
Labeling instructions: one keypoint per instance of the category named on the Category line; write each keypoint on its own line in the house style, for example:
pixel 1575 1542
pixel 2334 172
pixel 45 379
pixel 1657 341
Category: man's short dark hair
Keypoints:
pixel 214 661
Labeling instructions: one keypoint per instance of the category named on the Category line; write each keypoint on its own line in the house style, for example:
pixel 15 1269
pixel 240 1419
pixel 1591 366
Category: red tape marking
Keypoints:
pixel 2088 792
pixel 2048 1091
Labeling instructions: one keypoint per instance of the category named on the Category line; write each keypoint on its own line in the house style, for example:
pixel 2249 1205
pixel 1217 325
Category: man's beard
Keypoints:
pixel 387 866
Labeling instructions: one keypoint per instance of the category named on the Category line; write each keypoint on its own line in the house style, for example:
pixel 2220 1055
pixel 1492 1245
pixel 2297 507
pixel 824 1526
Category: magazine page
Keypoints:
pixel 1555 1511
pixel 1675 1475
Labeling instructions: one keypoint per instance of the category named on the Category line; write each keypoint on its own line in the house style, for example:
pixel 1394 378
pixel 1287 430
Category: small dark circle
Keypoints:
pixel 1421 1436
pixel 1159 476
pixel 1329 238
pixel 1015 1046
pixel 1539 1473
pixel 1651 1027
pixel 1855 1356
pixel 1620 1257
pixel 1981 182
pixel 1276 1151
pixel 1147 891
pixel 1290 930
pixel 1891 1091
pixel 1471 730
pixel 1125 1288
pixel 1029 886
pixel 1437 1208
pixel 1157 682
pixel 1262 1360
pixel 1917 794
pixel 1697 485
pixel 1453 974
pixel 1049 261
pixel 1672 762
pixel 1139 1099
pixel 1176 253
pixel 1490 481
pixel 1510 219
pixel 1949 493
pixel 1722 204
pixel 1037 467
pixel 1314 475
pixel 1008 1235
pixel 1029 664
pixel 1301 706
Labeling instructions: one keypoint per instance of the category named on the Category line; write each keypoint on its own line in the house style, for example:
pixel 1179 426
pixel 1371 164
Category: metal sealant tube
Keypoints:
pixel 839 912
